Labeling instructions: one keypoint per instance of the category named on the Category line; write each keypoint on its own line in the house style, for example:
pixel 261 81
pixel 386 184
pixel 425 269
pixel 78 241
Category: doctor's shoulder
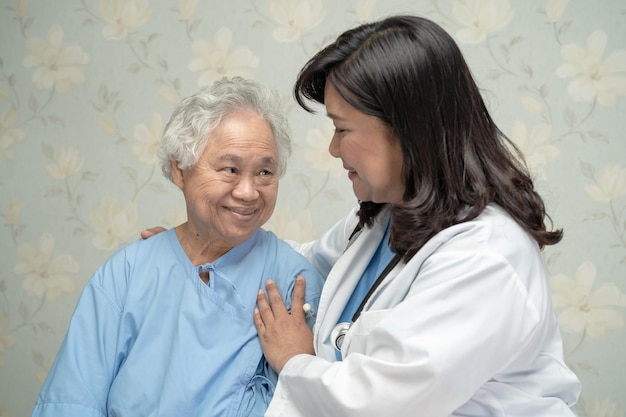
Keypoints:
pixel 493 233
pixel 506 236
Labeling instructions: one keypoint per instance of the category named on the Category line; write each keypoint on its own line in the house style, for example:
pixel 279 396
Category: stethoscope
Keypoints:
pixel 339 332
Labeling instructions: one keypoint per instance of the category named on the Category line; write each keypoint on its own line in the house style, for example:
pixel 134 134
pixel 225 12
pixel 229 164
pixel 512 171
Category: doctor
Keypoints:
pixel 436 301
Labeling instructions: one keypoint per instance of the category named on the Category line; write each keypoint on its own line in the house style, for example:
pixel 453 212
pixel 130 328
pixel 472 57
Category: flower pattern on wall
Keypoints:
pixel 480 18
pixel 295 17
pixel 605 407
pixel 122 16
pixel 555 9
pixel 535 147
pixel 148 139
pixel 187 8
pixel 55 67
pixel 609 188
pixel 215 59
pixel 287 224
pixel 595 78
pixel 317 151
pixel 585 308
pixel 364 9
pixel 114 224
pixel 13 212
pixel 9 134
pixel 610 184
pixel 7 341
pixel 68 161
pixel 46 275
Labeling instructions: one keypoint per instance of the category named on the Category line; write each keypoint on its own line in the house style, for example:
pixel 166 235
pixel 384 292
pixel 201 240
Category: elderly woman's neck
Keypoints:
pixel 199 249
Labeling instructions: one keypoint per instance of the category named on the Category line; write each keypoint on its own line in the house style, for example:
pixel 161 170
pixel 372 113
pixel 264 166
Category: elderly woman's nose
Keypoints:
pixel 246 189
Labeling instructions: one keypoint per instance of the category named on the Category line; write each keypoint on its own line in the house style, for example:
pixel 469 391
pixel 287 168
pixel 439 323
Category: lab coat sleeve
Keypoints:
pixel 78 383
pixel 465 317
pixel 324 252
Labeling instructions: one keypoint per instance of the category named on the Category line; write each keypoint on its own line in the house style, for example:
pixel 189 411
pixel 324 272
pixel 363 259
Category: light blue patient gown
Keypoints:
pixel 149 338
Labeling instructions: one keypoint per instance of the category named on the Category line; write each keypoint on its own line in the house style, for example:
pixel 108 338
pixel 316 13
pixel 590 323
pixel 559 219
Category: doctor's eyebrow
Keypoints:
pixel 334 116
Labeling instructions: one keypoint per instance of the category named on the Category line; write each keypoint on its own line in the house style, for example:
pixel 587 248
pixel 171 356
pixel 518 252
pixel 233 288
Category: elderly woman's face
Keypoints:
pixel 231 191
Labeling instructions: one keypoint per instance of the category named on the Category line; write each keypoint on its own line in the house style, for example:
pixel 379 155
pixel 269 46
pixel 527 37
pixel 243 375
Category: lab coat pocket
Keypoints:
pixel 358 336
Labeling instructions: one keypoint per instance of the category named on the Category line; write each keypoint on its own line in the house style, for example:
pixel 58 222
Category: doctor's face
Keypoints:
pixel 231 191
pixel 369 151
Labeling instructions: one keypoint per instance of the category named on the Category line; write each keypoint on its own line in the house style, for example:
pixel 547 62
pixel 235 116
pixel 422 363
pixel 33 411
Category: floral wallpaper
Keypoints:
pixel 87 85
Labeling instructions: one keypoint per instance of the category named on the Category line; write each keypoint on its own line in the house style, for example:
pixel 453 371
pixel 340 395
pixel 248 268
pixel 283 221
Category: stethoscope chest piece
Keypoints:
pixel 338 334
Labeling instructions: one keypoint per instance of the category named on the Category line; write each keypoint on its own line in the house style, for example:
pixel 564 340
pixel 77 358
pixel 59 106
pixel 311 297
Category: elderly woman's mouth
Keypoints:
pixel 242 211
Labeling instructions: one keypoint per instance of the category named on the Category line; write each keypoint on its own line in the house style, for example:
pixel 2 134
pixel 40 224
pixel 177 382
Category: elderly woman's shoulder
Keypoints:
pixel 133 251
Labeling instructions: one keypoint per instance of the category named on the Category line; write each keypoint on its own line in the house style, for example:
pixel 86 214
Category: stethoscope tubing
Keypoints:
pixel 341 329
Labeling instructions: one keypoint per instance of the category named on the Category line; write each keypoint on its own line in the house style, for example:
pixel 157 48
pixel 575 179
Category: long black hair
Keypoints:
pixel 408 72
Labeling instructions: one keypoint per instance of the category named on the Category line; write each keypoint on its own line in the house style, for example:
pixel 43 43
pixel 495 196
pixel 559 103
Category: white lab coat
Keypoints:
pixel 465 328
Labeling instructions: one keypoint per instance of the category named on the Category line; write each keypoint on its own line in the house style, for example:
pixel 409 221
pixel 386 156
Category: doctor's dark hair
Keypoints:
pixel 409 73
pixel 192 121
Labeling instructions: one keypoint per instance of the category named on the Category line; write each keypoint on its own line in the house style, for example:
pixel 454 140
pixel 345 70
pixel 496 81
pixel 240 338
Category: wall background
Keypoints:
pixel 86 87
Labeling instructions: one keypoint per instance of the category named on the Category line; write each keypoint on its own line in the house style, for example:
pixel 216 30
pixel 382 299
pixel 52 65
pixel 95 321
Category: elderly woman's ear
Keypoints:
pixel 177 174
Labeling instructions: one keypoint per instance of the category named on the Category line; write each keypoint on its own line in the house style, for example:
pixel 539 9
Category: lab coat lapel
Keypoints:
pixel 342 280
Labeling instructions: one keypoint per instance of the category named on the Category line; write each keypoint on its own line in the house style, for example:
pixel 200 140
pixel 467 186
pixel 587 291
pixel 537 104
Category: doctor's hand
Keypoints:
pixel 145 234
pixel 282 335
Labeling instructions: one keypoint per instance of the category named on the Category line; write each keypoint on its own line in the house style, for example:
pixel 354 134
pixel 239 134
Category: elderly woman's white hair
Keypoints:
pixel 188 130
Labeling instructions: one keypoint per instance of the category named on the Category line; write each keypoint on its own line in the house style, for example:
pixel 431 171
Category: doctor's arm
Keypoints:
pixel 431 353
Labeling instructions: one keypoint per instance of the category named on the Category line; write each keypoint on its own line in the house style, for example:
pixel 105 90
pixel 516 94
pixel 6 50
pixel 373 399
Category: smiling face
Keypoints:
pixel 231 191
pixel 368 150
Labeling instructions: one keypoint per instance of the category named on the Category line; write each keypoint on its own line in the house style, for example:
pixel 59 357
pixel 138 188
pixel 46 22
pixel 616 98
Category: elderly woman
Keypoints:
pixel 164 327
